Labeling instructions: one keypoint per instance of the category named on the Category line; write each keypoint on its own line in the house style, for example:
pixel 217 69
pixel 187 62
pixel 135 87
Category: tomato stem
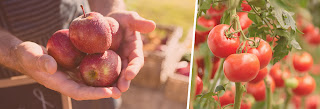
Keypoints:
pixel 217 75
pixel 237 100
pixel 193 84
pixel 268 94
pixel 303 104
pixel 288 98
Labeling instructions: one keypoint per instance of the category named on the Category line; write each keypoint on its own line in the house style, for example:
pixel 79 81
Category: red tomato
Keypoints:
pixel 258 90
pixel 242 67
pixel 313 37
pixel 245 104
pixel 216 12
pixel 262 73
pixel 278 75
pixel 302 62
pixel 245 6
pixel 308 29
pixel 315 69
pixel 263 52
pixel 219 44
pixel 209 23
pixel 226 98
pixel 305 86
pixel 312 102
pixel 296 100
pixel 199 85
pixel 245 22
pixel 200 37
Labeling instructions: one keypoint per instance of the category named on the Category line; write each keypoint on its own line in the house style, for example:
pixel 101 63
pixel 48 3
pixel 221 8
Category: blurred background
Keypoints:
pixel 167 50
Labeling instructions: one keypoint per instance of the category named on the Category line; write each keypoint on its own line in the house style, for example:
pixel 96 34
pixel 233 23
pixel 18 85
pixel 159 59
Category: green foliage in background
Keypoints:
pixel 167 12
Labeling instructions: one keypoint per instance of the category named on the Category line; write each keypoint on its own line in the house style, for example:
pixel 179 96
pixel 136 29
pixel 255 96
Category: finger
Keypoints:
pixel 134 21
pixel 83 92
pixel 29 52
pixel 123 84
pixel 114 25
pixel 135 56
pixel 47 64
pixel 133 68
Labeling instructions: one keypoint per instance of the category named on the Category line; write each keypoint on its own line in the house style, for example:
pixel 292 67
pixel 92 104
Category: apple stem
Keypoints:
pixel 84 14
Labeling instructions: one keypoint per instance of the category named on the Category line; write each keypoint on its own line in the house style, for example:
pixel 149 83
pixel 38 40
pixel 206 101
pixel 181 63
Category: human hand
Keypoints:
pixel 33 61
pixel 130 51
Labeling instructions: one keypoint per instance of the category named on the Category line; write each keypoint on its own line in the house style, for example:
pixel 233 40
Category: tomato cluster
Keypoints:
pixel 246 60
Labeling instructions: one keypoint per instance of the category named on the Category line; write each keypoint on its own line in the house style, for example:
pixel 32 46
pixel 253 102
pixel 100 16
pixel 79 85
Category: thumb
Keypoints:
pixel 47 64
pixel 32 58
pixel 134 21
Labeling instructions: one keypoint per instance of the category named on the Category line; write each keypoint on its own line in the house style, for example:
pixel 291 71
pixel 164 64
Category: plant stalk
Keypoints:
pixel 288 98
pixel 239 91
pixel 217 75
pixel 268 94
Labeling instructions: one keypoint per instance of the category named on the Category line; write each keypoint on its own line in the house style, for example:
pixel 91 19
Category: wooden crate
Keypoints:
pixel 24 92
pixel 176 88
pixel 159 63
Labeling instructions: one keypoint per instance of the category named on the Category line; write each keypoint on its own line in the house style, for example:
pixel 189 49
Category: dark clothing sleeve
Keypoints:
pixel 37 20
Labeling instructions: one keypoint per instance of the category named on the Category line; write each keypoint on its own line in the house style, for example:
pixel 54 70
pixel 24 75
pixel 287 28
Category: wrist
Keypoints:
pixel 8 45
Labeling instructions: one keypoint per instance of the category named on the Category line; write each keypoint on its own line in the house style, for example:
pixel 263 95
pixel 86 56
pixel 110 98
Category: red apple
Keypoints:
pixel 92 32
pixel 62 50
pixel 183 68
pixel 101 69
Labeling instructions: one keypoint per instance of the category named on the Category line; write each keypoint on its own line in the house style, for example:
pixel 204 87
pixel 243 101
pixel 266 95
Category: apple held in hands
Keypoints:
pixel 62 50
pixel 92 32
pixel 102 69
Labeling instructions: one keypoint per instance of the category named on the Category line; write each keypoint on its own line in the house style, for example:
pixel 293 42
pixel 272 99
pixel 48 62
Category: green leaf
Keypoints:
pixel 206 4
pixel 254 18
pixel 208 95
pixel 280 50
pixel 284 18
pixel 225 19
pixel 220 90
pixel 201 28
pixel 295 44
pixel 227 105
pixel 258 3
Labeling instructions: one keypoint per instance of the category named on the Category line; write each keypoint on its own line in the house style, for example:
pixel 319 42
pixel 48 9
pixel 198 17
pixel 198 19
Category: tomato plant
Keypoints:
pixel 250 38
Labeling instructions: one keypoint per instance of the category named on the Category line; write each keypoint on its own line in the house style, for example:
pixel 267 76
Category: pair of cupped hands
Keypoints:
pixel 34 61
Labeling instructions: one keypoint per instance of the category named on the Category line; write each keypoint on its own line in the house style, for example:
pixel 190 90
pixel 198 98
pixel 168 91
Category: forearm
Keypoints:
pixel 106 6
pixel 8 42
